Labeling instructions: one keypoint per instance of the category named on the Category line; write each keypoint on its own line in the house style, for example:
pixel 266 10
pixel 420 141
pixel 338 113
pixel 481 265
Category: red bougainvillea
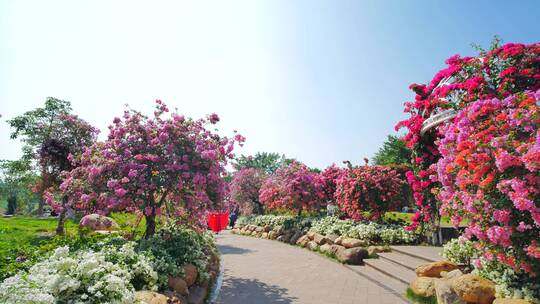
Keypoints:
pixel 328 179
pixel 499 73
pixel 154 165
pixel 489 171
pixel 294 187
pixel 244 190
pixel 372 189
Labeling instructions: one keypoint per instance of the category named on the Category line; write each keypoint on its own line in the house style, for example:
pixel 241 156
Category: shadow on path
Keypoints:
pixel 238 290
pixel 228 249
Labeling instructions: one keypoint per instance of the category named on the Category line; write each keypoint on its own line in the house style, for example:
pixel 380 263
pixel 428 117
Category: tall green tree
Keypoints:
pixel 16 182
pixel 267 162
pixel 393 152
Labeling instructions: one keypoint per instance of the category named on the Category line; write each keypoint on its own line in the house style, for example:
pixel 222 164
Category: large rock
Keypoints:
pixel 272 235
pixel 320 239
pixel 97 222
pixel 351 243
pixel 511 301
pixel 150 297
pixel 264 235
pixel 179 285
pixel 338 240
pixel 302 241
pixel 190 274
pixel 474 289
pixel 335 249
pixel 353 256
pixel 423 286
pixel 311 235
pixel 434 269
pixel 444 292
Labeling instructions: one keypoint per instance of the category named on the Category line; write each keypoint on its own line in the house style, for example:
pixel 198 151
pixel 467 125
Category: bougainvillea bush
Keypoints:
pixel 489 171
pixel 294 187
pixel 328 179
pixel 159 164
pixel 244 190
pixel 368 191
pixel 498 73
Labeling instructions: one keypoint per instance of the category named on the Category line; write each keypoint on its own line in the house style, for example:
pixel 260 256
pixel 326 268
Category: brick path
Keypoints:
pixel 258 271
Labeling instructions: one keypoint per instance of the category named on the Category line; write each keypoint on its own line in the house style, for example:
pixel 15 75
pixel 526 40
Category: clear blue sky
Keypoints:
pixel 322 81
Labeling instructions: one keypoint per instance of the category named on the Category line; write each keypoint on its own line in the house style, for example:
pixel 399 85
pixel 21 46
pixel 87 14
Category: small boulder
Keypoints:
pixel 332 238
pixel 352 256
pixel 335 249
pixel 434 269
pixel 444 292
pixel 272 235
pixel 319 239
pixel 96 222
pixel 311 235
pixel 150 297
pixel 375 249
pixel 190 274
pixel 312 245
pixel 295 237
pixel 197 294
pixel 423 286
pixel 326 248
pixel 338 240
pixel 264 235
pixel 267 228
pixel 302 241
pixel 351 243
pixel 178 285
pixel 259 229
pixel 474 289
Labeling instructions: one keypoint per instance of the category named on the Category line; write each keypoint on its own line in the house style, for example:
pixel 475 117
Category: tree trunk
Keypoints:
pixel 61 220
pixel 150 226
pixel 40 205
pixel 299 212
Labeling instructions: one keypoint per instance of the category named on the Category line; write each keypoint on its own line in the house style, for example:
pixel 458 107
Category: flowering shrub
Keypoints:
pixel 152 165
pixel 375 189
pixel 244 190
pixel 294 187
pixel 81 277
pixel 498 73
pixel 460 251
pixel 328 179
pixel 490 159
pixel 372 233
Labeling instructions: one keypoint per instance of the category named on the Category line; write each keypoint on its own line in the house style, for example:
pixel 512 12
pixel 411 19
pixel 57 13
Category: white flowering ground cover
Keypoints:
pixel 85 276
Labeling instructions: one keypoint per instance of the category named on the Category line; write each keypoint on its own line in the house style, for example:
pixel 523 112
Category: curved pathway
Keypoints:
pixel 261 271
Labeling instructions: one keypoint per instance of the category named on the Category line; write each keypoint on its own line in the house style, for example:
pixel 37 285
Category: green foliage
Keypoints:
pixel 174 246
pixel 394 151
pixel 420 299
pixel 268 162
pixel 16 181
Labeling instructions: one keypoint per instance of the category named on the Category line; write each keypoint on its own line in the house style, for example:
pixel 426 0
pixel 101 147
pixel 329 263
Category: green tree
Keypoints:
pixel 393 152
pixel 268 162
pixel 16 182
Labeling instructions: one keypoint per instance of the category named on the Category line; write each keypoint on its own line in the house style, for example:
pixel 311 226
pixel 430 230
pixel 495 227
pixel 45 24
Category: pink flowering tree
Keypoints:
pixel 489 171
pixel 368 191
pixel 294 187
pixel 328 179
pixel 164 164
pixel 244 190
pixel 498 73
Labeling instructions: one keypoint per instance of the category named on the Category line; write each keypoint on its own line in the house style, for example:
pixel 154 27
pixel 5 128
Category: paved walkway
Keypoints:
pixel 258 271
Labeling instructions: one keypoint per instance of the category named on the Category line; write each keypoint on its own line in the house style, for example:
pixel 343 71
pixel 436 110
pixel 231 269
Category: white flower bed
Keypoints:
pixel 81 277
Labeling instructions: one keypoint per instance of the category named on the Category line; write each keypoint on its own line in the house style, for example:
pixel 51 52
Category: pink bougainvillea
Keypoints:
pixel 153 165
pixel 498 73
pixel 244 190
pixel 294 187
pixel 489 171
pixel 368 191
pixel 328 179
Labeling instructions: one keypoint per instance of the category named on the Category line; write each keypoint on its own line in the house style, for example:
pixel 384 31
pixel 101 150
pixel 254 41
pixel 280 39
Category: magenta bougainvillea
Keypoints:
pixel 244 190
pixel 293 187
pixel 154 165
pixel 489 171
pixel 328 179
pixel 368 191
pixel 498 73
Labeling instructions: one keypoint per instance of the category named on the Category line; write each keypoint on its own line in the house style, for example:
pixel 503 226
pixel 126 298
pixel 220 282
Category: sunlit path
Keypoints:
pixel 262 271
